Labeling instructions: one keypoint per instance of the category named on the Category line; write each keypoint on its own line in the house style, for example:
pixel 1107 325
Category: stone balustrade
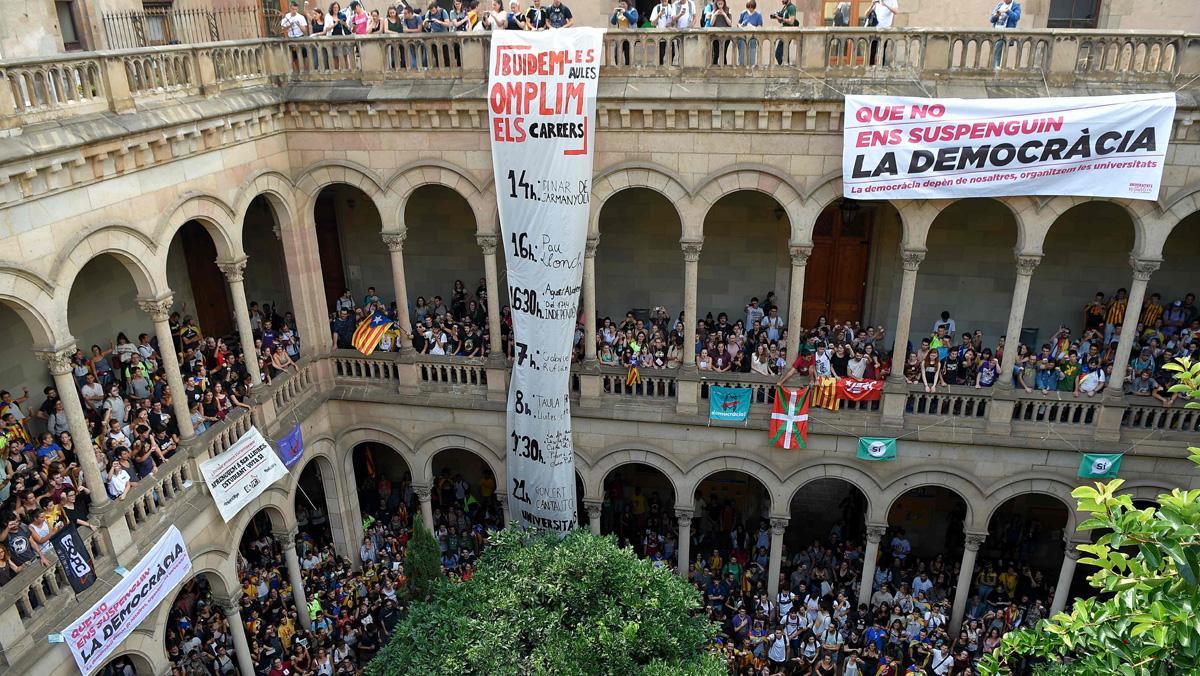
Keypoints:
pixel 43 89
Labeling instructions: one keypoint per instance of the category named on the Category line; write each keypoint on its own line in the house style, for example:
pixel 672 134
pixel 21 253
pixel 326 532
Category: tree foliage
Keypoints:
pixel 1143 621
pixel 538 604
pixel 422 562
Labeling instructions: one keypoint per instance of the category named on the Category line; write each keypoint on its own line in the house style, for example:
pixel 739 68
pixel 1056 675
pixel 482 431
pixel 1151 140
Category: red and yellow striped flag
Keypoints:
pixel 367 335
pixel 825 393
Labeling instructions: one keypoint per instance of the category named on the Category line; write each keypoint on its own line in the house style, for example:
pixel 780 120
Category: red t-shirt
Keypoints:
pixel 803 363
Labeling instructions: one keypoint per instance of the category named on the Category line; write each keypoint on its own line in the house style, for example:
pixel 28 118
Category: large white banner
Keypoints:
pixel 242 473
pixel 95 635
pixel 542 98
pixel 1098 146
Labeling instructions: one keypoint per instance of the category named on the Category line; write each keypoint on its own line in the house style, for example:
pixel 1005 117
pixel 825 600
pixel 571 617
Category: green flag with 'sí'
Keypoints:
pixel 1100 465
pixel 876 448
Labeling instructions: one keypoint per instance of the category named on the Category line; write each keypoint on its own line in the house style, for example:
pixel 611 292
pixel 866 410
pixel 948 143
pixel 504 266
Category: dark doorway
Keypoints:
pixel 835 279
pixel 208 283
pixel 329 243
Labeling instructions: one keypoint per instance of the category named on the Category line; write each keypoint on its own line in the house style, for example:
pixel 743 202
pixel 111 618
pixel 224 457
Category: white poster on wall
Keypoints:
pixel 99 631
pixel 1095 146
pixel 242 473
pixel 542 102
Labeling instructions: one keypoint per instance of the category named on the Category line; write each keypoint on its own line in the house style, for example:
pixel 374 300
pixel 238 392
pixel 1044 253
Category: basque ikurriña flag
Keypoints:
pixel 789 418
pixel 367 335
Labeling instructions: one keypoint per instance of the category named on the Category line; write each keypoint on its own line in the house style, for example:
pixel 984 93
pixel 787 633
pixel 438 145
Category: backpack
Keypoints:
pixel 871 20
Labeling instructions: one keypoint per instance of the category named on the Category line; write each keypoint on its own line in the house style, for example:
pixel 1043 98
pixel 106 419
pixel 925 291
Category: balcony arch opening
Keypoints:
pixel 639 230
pixel 199 286
pixel 258 546
pixel 745 255
pixel 267 270
pixel 1161 319
pixel 849 274
pixel 464 492
pixel 349 242
pixel 731 510
pixel 194 612
pixel 384 481
pixel 639 508
pixel 20 370
pixel 826 512
pixel 1086 251
pixel 442 258
pixel 1024 550
pixel 581 515
pixel 318 509
pixel 128 664
pixel 927 522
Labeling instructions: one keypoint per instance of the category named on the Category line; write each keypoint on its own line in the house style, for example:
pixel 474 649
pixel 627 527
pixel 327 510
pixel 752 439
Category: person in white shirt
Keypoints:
pixel 885 12
pixel 685 13
pixel 294 22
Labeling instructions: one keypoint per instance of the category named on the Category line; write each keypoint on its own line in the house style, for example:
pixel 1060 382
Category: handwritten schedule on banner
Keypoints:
pixel 1096 146
pixel 542 98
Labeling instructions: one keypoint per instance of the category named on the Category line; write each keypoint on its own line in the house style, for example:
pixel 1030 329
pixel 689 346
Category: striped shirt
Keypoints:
pixel 1116 311
pixel 1151 312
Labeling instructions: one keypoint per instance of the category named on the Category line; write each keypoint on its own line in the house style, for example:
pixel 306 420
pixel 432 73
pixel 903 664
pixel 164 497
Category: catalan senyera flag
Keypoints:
pixel 367 335
pixel 633 377
pixel 789 417
pixel 825 392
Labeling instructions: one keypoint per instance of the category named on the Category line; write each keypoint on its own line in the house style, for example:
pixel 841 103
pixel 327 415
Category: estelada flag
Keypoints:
pixel 825 393
pixel 633 377
pixel 789 418
pixel 855 389
pixel 367 335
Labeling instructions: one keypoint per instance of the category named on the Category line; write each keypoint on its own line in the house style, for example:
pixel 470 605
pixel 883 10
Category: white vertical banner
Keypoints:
pixel 542 102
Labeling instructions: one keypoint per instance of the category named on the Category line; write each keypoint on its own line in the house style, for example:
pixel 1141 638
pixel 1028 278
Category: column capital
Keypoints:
pixel 423 492
pixel 286 538
pixel 1027 263
pixel 589 247
pixel 800 254
pixel 912 258
pixel 58 361
pixel 778 526
pixel 159 308
pixel 1143 268
pixel 685 516
pixel 395 241
pixel 1071 550
pixel 875 532
pixel 593 508
pixel 486 242
pixel 231 605
pixel 975 540
pixel 234 271
pixel 691 249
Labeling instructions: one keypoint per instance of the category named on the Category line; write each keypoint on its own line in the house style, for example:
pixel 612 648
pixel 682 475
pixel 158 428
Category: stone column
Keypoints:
pixel 800 256
pixel 1026 264
pixel 594 509
pixel 159 310
pixel 691 277
pixel 966 572
pixel 287 541
pixel 1142 269
pixel 911 259
pixel 233 615
pixel 492 279
pixel 589 300
pixel 59 362
pixel 425 495
pixel 241 313
pixel 502 498
pixel 683 519
pixel 1066 574
pixel 395 245
pixel 778 526
pixel 866 587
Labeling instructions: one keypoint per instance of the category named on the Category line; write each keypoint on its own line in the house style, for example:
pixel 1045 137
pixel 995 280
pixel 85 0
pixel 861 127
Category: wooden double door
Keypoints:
pixel 835 280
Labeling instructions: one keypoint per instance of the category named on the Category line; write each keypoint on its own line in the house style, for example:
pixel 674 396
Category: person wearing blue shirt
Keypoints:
pixel 624 17
pixel 750 18
pixel 1005 16
pixel 876 634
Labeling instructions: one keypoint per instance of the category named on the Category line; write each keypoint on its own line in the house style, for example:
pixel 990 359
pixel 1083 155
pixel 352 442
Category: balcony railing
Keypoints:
pixel 35 90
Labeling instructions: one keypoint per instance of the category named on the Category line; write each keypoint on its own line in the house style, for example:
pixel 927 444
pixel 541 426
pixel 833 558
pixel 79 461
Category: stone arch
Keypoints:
pixel 136 252
pixel 31 301
pixel 139 649
pixel 420 173
pixel 1145 489
pixel 958 483
pixel 722 462
pixel 437 442
pixel 276 502
pixel 1162 225
pixel 315 178
pixel 211 212
pixel 1052 209
pixel 759 178
pixel 628 454
pixel 867 484
pixel 1033 484
pixel 279 192
pixel 378 433
pixel 625 175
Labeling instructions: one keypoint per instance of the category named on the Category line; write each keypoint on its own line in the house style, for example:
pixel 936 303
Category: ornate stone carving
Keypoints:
pixel 589 248
pixel 159 309
pixel 691 251
pixel 231 605
pixel 1072 552
pixel 778 526
pixel 875 533
pixel 1027 263
pixel 684 516
pixel 58 361
pixel 912 258
pixel 975 541
pixel 424 493
pixel 287 539
pixel 800 254
pixel 394 241
pixel 593 508
pixel 487 243
pixel 234 271
pixel 1142 268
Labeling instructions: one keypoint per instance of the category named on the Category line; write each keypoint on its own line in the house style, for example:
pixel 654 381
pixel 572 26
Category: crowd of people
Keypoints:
pixel 127 405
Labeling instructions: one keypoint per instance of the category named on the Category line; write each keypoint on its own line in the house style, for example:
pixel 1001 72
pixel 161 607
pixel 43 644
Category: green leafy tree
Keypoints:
pixel 1143 621
pixel 538 604
pixel 422 562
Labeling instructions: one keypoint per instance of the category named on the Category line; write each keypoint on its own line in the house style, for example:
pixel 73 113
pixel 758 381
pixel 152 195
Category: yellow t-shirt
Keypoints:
pixel 639 504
